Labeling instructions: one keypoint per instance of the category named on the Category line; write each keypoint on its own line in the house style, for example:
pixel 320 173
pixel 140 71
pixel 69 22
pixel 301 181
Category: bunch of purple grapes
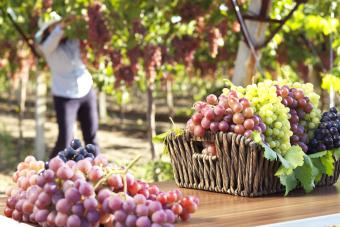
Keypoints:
pixel 116 59
pixel 327 135
pixel 225 114
pixel 98 33
pixel 214 40
pixel 76 152
pixel 88 193
pixel 189 11
pixel 152 60
pixel 299 106
pixel 185 49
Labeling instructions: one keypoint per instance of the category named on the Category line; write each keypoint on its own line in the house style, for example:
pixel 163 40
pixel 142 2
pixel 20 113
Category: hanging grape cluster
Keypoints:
pixel 152 60
pixel 98 33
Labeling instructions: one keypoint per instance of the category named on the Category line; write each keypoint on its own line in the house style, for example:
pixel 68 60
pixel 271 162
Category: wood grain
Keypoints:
pixel 218 209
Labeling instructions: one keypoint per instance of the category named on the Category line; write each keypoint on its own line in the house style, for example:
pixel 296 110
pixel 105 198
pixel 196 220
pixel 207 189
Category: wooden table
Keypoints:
pixel 217 209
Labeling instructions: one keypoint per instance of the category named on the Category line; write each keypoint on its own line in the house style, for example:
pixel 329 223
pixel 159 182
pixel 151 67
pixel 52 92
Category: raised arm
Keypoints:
pixel 52 41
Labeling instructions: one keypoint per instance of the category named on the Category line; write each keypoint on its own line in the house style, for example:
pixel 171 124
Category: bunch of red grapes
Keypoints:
pixel 88 193
pixel 133 55
pixel 225 114
pixel 137 27
pixel 152 60
pixel 299 106
pixel 98 33
pixel 185 49
pixel 46 4
pixel 116 59
pixel 206 67
pixel 126 74
pixel 215 40
pixel 189 10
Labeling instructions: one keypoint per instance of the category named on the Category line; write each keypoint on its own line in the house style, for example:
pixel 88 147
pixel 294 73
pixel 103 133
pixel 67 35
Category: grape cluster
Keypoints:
pixel 206 67
pixel 299 105
pixel 200 24
pixel 311 120
pixel 215 40
pixel 189 11
pixel 98 33
pixel 185 49
pixel 273 113
pixel 236 27
pixel 133 55
pixel 88 193
pixel 116 59
pixel 152 60
pixel 137 27
pixel 327 135
pixel 227 113
pixel 47 4
pixel 126 74
pixel 76 152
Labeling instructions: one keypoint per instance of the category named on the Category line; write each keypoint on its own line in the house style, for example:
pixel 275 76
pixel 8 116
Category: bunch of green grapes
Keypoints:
pixel 268 107
pixel 311 120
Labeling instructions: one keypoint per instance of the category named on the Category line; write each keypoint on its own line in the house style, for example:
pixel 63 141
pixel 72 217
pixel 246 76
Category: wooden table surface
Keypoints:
pixel 217 209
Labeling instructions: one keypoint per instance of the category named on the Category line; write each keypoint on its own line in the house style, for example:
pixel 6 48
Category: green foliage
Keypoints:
pixel 156 170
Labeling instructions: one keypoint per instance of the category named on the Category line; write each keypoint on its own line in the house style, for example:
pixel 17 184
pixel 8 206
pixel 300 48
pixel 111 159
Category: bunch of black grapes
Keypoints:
pixel 327 135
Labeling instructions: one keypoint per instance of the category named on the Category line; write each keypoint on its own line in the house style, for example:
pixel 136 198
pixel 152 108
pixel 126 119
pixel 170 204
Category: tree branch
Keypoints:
pixel 21 32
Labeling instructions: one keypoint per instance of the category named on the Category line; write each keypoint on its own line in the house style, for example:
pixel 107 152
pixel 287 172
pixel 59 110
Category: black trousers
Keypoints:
pixel 68 110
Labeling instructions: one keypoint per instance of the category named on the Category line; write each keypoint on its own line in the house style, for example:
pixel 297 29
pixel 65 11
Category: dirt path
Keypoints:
pixel 118 143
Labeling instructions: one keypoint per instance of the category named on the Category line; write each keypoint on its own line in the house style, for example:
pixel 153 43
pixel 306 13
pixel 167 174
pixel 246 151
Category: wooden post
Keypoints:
pixel 169 97
pixel 102 106
pixel 21 98
pixel 245 61
pixel 150 117
pixel 40 112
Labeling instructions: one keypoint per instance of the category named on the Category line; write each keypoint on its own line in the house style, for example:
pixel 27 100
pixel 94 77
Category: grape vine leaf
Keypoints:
pixel 328 163
pixel 295 156
pixel 306 174
pixel 289 181
pixel 317 163
pixel 337 153
pixel 160 137
pixel 318 154
pixel 268 152
pixel 324 161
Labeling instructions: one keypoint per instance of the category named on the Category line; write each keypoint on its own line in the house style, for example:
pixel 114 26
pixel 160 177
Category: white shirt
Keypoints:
pixel 70 78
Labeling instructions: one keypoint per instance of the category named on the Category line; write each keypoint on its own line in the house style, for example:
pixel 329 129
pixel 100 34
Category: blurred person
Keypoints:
pixel 73 95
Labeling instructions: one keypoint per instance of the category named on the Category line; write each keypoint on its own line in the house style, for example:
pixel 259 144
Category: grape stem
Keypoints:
pixel 116 171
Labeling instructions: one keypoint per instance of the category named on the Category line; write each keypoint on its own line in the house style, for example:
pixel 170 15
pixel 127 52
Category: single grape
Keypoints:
pixel 239 129
pixel 238 118
pixel 249 124
pixel 75 144
pixel 212 99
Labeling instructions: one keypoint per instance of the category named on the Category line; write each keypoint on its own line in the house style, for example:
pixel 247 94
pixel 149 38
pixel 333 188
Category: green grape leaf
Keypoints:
pixel 318 154
pixel 283 171
pixel 160 137
pixel 337 153
pixel 295 156
pixel 268 152
pixel 317 163
pixel 285 163
pixel 289 181
pixel 306 174
pixel 328 163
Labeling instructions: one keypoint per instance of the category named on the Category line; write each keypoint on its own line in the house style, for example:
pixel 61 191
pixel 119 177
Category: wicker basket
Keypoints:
pixel 239 167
